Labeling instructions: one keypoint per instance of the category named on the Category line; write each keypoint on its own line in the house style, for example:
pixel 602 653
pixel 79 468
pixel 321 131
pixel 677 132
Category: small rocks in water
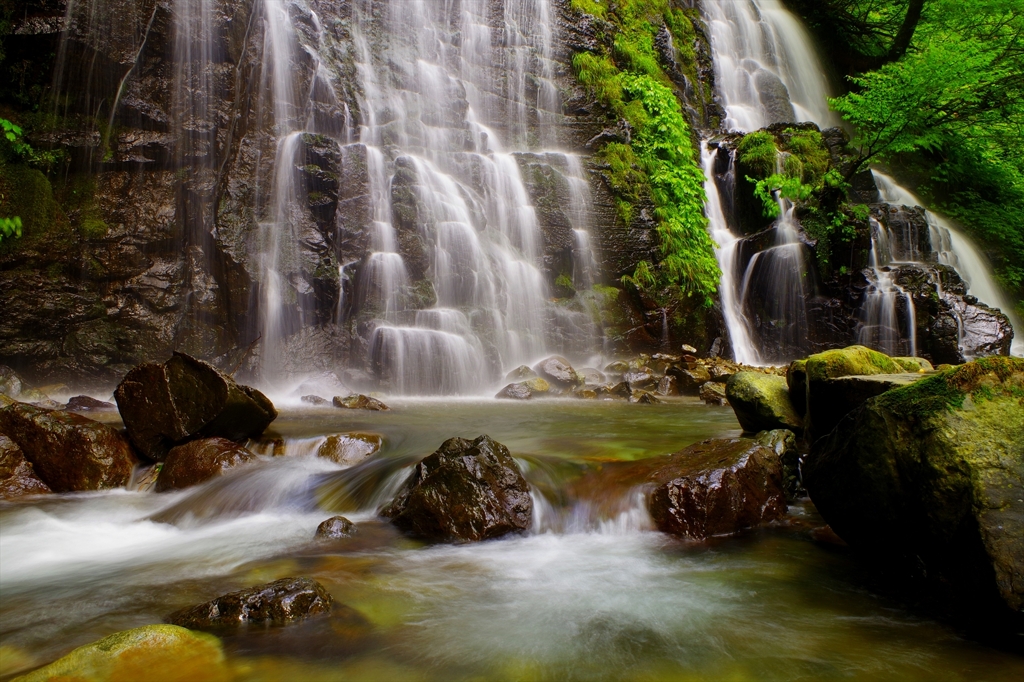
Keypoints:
pixel 690 380
pixel 165 652
pixel 643 398
pixel 465 491
pixel 639 380
pixel 199 460
pixel 315 400
pixel 520 373
pixel 761 402
pixel 524 390
pixel 591 377
pixel 558 372
pixel 620 389
pixel 84 403
pixel 277 603
pixel 68 451
pixel 359 402
pixel 335 528
pixel 668 385
pixel 17 477
pixel 163 405
pixel 349 448
pixel 618 367
pixel 713 393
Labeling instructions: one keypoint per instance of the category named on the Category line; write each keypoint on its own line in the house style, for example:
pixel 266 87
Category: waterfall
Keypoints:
pixel 951 247
pixel 879 315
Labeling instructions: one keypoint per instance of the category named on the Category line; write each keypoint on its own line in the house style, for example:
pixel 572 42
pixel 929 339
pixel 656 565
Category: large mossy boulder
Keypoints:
pixel 196 461
pixel 761 402
pixel 17 477
pixel 185 398
pixel 464 492
pixel 277 603
pixel 69 452
pixel 167 653
pixel 933 472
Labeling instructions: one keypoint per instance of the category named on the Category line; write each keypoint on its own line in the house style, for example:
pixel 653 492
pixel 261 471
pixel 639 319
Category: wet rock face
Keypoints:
pixel 558 372
pixel 200 460
pixel 932 474
pixel 277 603
pixel 68 451
pixel 335 528
pixel 717 487
pixel 17 477
pixel 359 402
pixel 464 492
pixel 163 405
pixel 83 403
pixel 761 402
pixel 350 448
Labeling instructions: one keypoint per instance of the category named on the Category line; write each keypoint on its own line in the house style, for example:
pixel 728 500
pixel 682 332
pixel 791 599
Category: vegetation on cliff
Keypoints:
pixel 657 161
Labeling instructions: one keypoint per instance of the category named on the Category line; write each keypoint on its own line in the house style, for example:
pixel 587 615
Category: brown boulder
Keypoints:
pixel 199 460
pixel 465 491
pixel 68 451
pixel 335 528
pixel 713 393
pixel 349 448
pixel 558 372
pixel 17 477
pixel 164 405
pixel 277 603
pixel 360 402
pixel 83 403
pixel 689 379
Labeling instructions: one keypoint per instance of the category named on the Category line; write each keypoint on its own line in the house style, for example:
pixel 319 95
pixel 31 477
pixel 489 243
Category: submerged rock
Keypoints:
pixel 277 603
pixel 163 405
pixel 713 393
pixel 165 652
pixel 717 487
pixel 200 460
pixel 465 491
pixel 558 372
pixel 84 403
pixel 350 448
pixel 17 477
pixel 933 473
pixel 335 528
pixel 761 402
pixel 360 402
pixel 68 451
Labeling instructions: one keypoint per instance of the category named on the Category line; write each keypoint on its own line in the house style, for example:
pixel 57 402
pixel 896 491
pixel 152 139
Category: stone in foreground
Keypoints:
pixel 933 472
pixel 68 451
pixel 164 405
pixel 17 477
pixel 717 487
pixel 277 603
pixel 464 492
pixel 335 528
pixel 761 402
pixel 360 402
pixel 153 652
pixel 200 460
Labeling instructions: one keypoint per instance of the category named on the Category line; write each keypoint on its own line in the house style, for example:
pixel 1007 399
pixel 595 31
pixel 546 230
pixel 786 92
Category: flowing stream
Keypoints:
pixel 590 593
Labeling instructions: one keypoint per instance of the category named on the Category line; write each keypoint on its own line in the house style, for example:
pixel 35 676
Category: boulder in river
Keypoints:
pixel 558 372
pixel 277 603
pixel 17 477
pixel 165 652
pixel 84 403
pixel 717 487
pixel 69 452
pixel 464 492
pixel 520 373
pixel 832 399
pixel 761 402
pixel 360 402
pixel 314 400
pixel 200 460
pixel 524 390
pixel 164 405
pixel 349 448
pixel 335 528
pixel 933 473
pixel 690 379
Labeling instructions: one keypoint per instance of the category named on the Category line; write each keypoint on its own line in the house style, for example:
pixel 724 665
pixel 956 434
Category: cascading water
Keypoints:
pixel 881 325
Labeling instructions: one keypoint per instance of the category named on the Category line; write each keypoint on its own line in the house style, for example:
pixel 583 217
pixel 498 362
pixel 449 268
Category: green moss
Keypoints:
pixel 757 153
pixel 597 8
pixel 982 380
pixel 809 147
pixel 28 194
pixel 93 228
pixel 851 361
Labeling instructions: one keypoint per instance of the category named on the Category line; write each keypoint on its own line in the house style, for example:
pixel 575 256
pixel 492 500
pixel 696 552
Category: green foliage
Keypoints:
pixel 598 8
pixel 787 187
pixel 10 227
pixel 757 152
pixel 659 162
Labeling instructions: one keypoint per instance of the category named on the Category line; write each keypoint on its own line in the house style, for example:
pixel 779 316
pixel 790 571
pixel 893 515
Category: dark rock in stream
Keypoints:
pixel 200 460
pixel 360 402
pixel 335 528
pixel 68 451
pixel 83 403
pixel 314 400
pixel 17 477
pixel 277 603
pixel 464 492
pixel 164 405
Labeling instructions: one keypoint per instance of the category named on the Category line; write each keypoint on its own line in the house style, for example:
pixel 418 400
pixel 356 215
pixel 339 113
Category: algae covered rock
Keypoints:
pixel 200 460
pixel 914 364
pixel 465 491
pixel 164 405
pixel 761 402
pixel 68 451
pixel 934 472
pixel 843 362
pixel 277 603
pixel 166 653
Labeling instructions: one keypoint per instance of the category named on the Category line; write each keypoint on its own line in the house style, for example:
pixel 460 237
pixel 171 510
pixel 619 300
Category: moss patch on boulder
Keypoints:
pixel 853 360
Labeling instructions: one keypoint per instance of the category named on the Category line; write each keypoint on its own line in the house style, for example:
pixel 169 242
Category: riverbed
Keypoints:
pixel 591 593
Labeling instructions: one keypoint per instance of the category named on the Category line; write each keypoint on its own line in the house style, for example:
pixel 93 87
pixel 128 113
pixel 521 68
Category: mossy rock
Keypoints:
pixel 757 154
pixel 159 653
pixel 27 194
pixel 933 473
pixel 914 364
pixel 854 360
pixel 761 402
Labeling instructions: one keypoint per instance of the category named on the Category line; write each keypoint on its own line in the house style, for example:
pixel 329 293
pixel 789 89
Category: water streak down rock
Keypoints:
pixel 164 405
pixel 465 491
